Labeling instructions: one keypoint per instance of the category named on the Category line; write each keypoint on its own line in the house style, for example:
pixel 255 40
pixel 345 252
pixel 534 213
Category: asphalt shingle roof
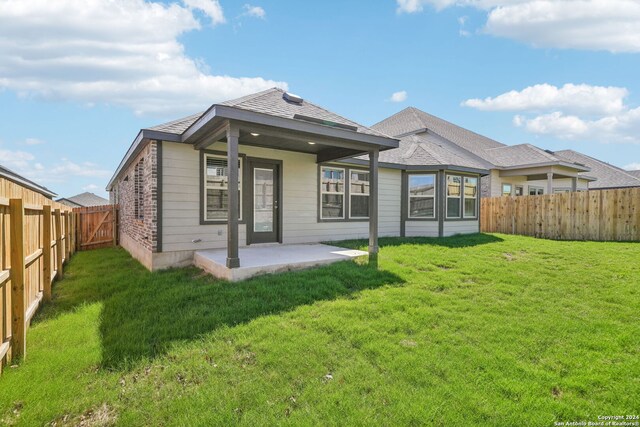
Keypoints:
pixel 411 119
pixel 12 176
pixel 519 155
pixel 634 173
pixel 86 199
pixel 270 102
pixel 426 149
pixel 607 176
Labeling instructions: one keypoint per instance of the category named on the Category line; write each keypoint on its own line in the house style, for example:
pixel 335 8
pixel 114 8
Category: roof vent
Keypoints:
pixel 290 97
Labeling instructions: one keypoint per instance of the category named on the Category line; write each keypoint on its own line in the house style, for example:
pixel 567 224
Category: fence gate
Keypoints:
pixel 97 226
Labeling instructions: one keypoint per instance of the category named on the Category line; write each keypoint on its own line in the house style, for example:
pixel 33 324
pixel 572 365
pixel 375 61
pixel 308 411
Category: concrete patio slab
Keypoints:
pixel 263 259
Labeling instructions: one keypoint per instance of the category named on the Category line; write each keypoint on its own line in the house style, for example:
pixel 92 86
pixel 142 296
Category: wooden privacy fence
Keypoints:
pixel 96 226
pixel 585 215
pixel 36 240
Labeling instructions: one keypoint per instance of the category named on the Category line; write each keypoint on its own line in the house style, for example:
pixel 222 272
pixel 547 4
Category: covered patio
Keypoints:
pixel 222 129
pixel 547 174
pixel 271 258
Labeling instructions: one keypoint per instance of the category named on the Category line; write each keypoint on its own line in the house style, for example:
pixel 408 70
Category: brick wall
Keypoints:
pixel 143 231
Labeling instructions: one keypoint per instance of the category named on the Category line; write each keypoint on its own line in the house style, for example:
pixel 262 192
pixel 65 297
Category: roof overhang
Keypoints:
pixel 418 168
pixel 217 114
pixel 26 183
pixel 336 142
pixel 143 137
pixel 574 166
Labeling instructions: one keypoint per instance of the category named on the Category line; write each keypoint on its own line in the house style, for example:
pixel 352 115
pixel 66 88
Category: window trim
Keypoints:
pixel 464 197
pixel 536 187
pixel 447 197
pixel 346 194
pixel 434 197
pixel 343 193
pixel 520 187
pixel 351 170
pixel 242 175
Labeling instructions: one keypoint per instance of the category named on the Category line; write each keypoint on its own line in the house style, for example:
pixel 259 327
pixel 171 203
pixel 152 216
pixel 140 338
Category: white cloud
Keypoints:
pixel 400 96
pixel 15 160
pixel 580 98
pixel 114 52
pixel 25 164
pixel 33 141
pixel 632 166
pixel 91 187
pixel 620 128
pixel 612 25
pixel 211 8
pixel 255 11
pixel 594 113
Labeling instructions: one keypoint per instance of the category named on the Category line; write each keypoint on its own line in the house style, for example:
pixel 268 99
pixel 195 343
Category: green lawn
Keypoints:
pixel 484 329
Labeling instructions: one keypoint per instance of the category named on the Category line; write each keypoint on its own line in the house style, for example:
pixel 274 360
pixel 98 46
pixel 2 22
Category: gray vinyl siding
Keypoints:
pixel 461 227
pixel 421 228
pixel 181 201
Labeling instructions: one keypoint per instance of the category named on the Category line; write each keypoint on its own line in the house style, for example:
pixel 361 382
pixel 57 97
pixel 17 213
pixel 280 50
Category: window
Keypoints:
pixel 470 196
pixel 561 190
pixel 138 190
pixel 519 190
pixel 358 194
pixel 454 189
pixel 217 190
pixel 332 193
pixel 506 189
pixel 535 191
pixel 422 196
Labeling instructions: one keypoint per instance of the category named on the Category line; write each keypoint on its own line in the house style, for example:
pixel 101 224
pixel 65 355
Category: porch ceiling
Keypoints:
pixel 325 148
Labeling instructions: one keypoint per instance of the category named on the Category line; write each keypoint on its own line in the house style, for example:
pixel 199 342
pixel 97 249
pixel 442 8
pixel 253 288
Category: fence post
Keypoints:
pixel 58 242
pixel 18 326
pixel 46 252
pixel 67 236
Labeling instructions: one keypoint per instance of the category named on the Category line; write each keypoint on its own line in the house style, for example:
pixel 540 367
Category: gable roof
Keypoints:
pixel 607 175
pixel 273 108
pixel 84 199
pixel 475 147
pixel 413 120
pixel 634 173
pixel 27 183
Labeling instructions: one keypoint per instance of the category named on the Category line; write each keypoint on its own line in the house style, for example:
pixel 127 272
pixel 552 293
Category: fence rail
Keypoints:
pixel 37 237
pixel 585 215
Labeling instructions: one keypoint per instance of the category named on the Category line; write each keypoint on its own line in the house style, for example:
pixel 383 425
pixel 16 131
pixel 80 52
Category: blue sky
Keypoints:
pixel 79 79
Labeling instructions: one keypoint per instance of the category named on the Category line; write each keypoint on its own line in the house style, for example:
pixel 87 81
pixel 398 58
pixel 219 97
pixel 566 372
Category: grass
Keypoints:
pixel 483 329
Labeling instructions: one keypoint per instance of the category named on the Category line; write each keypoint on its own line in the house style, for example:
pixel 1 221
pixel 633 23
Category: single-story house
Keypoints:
pixel 273 168
pixel 606 175
pixel 521 169
pixel 9 175
pixel 83 200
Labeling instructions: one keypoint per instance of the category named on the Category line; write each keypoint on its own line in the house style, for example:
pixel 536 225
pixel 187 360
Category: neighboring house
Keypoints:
pixel 26 183
pixel 284 171
pixel 607 176
pixel 634 173
pixel 514 169
pixel 84 200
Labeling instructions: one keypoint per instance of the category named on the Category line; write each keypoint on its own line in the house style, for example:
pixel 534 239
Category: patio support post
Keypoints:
pixel 549 182
pixel 373 202
pixel 233 134
pixel 574 184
